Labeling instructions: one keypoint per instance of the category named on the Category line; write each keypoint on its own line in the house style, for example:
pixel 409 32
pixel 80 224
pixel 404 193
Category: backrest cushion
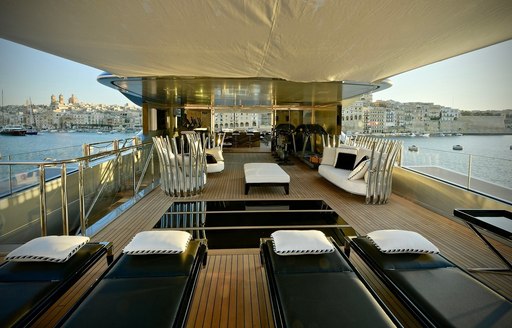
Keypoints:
pixel 360 170
pixel 329 156
pixel 345 157
pixel 215 152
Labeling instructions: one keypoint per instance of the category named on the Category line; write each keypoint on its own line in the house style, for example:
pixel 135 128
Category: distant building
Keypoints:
pixel 73 100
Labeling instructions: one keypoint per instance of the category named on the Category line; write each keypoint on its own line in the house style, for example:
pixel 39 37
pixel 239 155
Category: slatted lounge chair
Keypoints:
pixel 439 293
pixel 320 290
pixel 27 289
pixel 142 291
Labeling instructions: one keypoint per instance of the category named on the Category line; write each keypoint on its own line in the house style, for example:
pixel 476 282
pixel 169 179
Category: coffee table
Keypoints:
pixel 265 174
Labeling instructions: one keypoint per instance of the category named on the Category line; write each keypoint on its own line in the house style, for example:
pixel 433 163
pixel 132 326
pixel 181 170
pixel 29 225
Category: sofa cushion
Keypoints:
pixel 359 161
pixel 345 161
pixel 215 152
pixel 360 170
pixel 339 178
pixel 329 156
pixel 210 159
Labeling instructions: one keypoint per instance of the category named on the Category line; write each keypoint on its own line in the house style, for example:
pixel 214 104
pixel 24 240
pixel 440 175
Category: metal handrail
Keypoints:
pixel 81 161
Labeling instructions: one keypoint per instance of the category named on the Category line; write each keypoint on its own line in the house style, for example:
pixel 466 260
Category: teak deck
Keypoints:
pixel 232 290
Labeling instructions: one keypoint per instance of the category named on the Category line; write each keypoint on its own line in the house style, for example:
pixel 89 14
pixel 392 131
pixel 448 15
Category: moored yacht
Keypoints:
pixel 300 62
pixel 13 130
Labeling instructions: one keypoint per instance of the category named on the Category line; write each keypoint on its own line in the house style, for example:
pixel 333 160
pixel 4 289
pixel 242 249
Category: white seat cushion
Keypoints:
pixel 265 173
pixel 301 242
pixel 401 241
pixel 158 242
pixel 48 249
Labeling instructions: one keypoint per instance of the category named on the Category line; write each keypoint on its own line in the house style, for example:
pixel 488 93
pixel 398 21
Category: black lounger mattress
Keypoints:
pixel 27 287
pixel 441 291
pixel 321 290
pixel 138 291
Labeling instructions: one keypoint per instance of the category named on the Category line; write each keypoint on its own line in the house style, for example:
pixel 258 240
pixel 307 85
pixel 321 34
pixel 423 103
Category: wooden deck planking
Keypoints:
pixel 231 293
pixel 454 239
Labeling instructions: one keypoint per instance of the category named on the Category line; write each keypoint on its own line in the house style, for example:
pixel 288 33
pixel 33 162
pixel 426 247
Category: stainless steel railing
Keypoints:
pixel 83 163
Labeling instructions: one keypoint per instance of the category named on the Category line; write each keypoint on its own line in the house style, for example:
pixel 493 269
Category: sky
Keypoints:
pixel 480 80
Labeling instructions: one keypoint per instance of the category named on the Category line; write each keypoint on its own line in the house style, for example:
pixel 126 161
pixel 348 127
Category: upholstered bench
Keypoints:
pixel 265 174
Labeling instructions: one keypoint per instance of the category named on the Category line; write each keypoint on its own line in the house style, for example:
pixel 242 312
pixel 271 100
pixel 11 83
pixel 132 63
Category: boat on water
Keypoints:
pixel 31 131
pixel 244 64
pixel 457 147
pixel 13 130
pixel 413 148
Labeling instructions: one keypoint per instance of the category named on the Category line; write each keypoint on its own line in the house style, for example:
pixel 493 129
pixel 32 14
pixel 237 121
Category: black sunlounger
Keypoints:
pixel 142 291
pixel 27 289
pixel 437 291
pixel 320 290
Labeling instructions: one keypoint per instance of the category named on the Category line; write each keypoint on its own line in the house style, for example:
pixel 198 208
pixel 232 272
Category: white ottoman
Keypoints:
pixel 265 174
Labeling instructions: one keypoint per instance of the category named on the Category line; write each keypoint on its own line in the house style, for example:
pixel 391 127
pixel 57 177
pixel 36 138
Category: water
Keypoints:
pixel 52 145
pixel 491 156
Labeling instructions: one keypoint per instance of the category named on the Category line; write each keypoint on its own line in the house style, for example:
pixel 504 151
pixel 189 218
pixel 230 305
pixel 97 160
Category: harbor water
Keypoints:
pixel 58 145
pixel 484 157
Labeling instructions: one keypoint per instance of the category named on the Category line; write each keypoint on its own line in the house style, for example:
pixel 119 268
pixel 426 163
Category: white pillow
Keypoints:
pixel 158 242
pixel 48 249
pixel 359 171
pixel 301 242
pixel 401 241
pixel 215 152
pixel 329 156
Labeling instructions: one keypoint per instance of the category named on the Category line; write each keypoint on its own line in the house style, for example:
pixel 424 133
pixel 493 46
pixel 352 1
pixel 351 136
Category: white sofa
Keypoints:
pixel 364 167
pixel 352 175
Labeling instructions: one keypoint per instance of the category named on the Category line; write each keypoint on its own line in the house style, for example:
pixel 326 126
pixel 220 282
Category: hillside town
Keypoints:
pixel 362 116
pixel 72 115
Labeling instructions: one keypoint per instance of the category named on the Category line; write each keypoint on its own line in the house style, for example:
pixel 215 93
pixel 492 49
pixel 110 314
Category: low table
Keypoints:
pixel 265 174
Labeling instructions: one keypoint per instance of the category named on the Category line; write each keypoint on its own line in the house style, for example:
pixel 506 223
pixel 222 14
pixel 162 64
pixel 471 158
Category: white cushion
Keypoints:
pixel 265 173
pixel 301 242
pixel 359 171
pixel 339 177
pixel 329 156
pixel 48 249
pixel 350 162
pixel 401 241
pixel 215 152
pixel 158 242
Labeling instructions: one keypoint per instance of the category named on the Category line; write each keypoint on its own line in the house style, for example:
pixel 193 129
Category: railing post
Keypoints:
pixel 10 174
pixel 81 197
pixel 134 178
pixel 64 199
pixel 86 150
pixel 115 145
pixel 469 170
pixel 42 201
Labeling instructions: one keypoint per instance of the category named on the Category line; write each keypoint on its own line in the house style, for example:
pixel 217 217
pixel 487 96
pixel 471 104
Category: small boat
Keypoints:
pixel 413 148
pixel 457 147
pixel 31 131
pixel 459 134
pixel 13 130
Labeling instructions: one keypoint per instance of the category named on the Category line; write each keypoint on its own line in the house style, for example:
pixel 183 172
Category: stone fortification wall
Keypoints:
pixel 481 124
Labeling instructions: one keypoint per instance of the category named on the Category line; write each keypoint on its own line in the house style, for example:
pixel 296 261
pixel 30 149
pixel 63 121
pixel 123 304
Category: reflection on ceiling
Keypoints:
pixel 230 93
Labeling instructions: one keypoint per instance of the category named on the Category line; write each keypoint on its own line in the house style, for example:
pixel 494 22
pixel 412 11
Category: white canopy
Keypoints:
pixel 296 40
